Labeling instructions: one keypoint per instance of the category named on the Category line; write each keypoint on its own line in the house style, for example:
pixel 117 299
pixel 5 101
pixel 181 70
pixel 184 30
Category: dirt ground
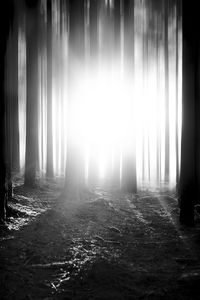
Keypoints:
pixel 108 245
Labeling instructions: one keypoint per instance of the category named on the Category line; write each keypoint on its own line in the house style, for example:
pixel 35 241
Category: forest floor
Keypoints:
pixel 109 245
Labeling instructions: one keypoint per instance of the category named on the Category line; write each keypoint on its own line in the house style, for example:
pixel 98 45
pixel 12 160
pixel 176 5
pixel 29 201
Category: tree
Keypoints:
pixel 190 143
pixel 32 92
pixel 15 113
pixel 94 46
pixel 74 163
pixel 166 49
pixel 129 181
pixel 6 18
pixel 9 93
pixel 177 93
pixel 49 171
pixel 11 105
pixel 117 54
pixel 158 146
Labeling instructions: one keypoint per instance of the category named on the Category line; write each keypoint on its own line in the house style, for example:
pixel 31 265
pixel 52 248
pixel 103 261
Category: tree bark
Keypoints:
pixel 6 17
pixel 32 93
pixel 129 181
pixel 158 146
pixel 177 94
pixel 74 174
pixel 94 47
pixel 49 169
pixel 166 46
pixel 190 143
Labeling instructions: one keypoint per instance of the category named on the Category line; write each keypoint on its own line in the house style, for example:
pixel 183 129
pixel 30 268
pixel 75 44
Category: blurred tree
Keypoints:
pixel 49 170
pixel 32 12
pixel 94 52
pixel 178 15
pixel 129 180
pixel 74 176
pixel 166 50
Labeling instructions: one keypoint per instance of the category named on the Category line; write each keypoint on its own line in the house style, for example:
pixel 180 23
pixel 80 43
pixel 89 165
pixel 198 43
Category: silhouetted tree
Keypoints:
pixel 94 51
pixel 129 182
pixel 190 147
pixel 32 92
pixel 158 144
pixel 11 92
pixel 166 49
pixel 6 17
pixel 49 171
pixel 12 96
pixel 74 164
pixel 177 87
pixel 117 54
pixel 15 102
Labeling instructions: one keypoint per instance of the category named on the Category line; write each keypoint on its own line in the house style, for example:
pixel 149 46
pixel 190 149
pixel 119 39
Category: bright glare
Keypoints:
pixel 108 112
pixel 101 116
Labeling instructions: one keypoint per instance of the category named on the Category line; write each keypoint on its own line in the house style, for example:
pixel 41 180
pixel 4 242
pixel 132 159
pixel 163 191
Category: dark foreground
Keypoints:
pixel 109 245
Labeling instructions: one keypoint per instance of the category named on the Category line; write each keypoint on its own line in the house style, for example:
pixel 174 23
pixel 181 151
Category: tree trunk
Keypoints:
pixel 93 31
pixel 117 47
pixel 49 168
pixel 190 143
pixel 15 112
pixel 166 8
pixel 12 122
pixel 117 29
pixel 74 164
pixel 158 146
pixel 6 17
pixel 32 93
pixel 129 182
pixel 177 94
pixel 9 92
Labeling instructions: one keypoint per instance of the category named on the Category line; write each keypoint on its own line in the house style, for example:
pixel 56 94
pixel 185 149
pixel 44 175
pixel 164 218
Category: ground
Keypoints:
pixel 107 245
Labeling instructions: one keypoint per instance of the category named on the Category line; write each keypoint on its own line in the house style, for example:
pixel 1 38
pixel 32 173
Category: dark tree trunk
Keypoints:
pixel 63 16
pixel 117 47
pixel 93 30
pixel 12 122
pixel 74 163
pixel 158 146
pixel 49 171
pixel 6 17
pixel 166 45
pixel 190 143
pixel 144 71
pixel 15 113
pixel 117 29
pixel 177 94
pixel 9 91
pixel 93 166
pixel 149 160
pixel 32 93
pixel 129 182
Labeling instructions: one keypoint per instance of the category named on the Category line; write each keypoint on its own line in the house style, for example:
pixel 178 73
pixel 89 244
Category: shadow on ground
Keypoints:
pixel 108 245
